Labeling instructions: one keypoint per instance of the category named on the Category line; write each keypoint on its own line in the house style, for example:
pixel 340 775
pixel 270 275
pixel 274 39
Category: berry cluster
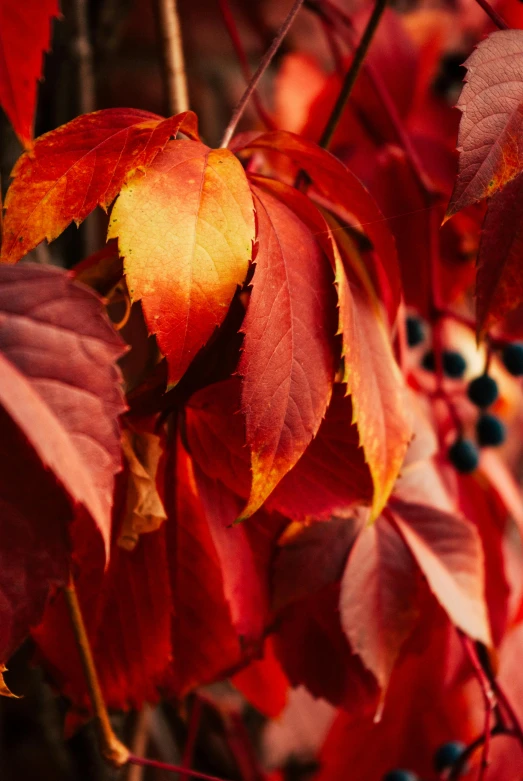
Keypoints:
pixel 445 758
pixel 482 391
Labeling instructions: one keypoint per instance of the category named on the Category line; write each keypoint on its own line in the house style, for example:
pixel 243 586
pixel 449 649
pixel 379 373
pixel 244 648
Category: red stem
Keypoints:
pixel 516 723
pixel 488 696
pixel 234 35
pixel 143 762
pixel 194 723
pixel 494 16
pixel 262 67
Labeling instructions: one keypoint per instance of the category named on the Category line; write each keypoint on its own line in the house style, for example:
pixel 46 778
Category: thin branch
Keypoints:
pixel 488 696
pixel 173 63
pixel 194 724
pixel 352 73
pixel 234 35
pixel 111 748
pixel 172 768
pixel 262 67
pixel 494 16
pixel 140 741
pixel 83 52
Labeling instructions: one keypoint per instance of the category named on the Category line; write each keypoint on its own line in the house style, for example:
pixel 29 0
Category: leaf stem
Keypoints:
pixel 111 748
pixel 133 760
pixel 173 62
pixel 260 70
pixel 494 16
pixel 352 73
pixel 488 696
pixel 232 29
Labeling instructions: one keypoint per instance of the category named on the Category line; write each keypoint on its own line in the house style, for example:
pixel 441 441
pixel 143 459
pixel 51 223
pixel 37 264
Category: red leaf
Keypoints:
pixel 492 119
pixel 331 476
pixel 33 522
pixel 243 589
pixel 342 189
pixel 499 277
pixel 264 684
pixel 204 641
pixel 378 605
pixel 315 652
pixel 313 558
pixel 186 230
pixel 60 383
pixel 77 167
pixel 425 707
pixel 288 351
pixel 127 612
pixel 448 551
pixel 25 34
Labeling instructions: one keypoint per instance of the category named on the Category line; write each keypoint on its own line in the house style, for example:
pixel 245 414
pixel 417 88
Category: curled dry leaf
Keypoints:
pixel 144 510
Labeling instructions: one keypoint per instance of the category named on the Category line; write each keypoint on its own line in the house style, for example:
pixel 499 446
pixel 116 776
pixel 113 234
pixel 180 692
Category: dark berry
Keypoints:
pixel 400 775
pixel 447 755
pixel 463 455
pixel 490 431
pixel 415 331
pixel 483 391
pixel 429 361
pixel 513 358
pixel 454 364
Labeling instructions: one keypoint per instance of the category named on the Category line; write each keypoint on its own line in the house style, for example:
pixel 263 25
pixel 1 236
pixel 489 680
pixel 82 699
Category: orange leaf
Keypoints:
pixel 186 230
pixel 77 167
pixel 379 399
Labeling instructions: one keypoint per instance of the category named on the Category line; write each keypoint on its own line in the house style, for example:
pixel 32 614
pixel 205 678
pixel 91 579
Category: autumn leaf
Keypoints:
pixel 378 394
pixel 499 275
pixel 127 612
pixel 448 551
pixel 83 164
pixel 378 605
pixel 288 355
pixel 313 558
pixel 492 119
pixel 342 191
pixel 186 230
pixel 60 383
pixel 331 476
pixel 60 397
pixel 25 34
pixel 205 643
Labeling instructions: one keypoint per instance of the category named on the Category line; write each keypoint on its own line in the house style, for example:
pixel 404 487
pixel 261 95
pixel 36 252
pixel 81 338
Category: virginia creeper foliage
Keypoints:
pixel 279 467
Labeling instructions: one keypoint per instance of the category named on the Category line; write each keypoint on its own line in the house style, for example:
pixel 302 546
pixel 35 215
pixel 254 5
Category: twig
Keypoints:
pixel 173 63
pixel 260 70
pixel 230 24
pixel 140 741
pixel 502 698
pixel 171 768
pixel 494 16
pixel 194 724
pixel 488 696
pixel 83 52
pixel 352 73
pixel 112 749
